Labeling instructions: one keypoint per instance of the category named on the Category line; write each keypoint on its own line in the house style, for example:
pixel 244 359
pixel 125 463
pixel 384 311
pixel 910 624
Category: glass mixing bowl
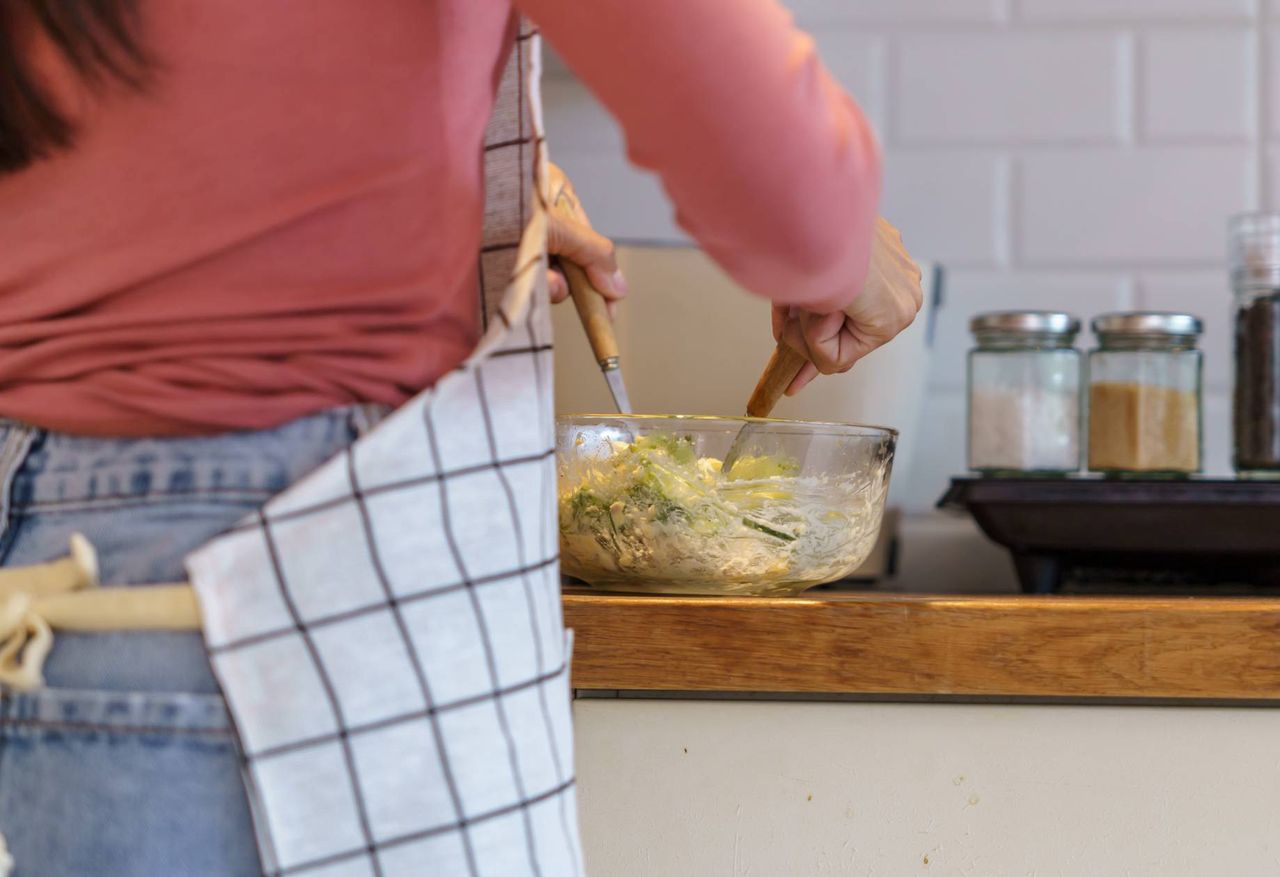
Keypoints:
pixel 645 506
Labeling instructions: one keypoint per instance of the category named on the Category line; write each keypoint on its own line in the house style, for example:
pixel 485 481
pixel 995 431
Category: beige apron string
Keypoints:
pixel 145 607
pixel 64 594
pixel 77 570
pixel 25 641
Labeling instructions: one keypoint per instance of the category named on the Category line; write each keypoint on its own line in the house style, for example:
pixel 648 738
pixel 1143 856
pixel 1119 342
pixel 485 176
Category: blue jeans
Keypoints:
pixel 125 765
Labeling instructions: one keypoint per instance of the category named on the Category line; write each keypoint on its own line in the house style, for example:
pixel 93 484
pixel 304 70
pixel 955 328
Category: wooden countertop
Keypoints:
pixel 1015 646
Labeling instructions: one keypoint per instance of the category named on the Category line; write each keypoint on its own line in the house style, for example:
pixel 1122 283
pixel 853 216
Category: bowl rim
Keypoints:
pixel 866 428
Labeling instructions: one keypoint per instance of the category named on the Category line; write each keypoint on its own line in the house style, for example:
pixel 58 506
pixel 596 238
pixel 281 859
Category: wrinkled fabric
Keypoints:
pixel 287 219
pixel 388 631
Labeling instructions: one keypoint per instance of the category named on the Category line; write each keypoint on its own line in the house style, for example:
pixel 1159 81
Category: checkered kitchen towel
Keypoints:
pixel 388 631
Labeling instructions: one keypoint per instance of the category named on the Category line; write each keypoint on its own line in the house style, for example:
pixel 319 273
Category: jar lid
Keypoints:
pixel 1147 323
pixel 1028 322
pixel 1254 250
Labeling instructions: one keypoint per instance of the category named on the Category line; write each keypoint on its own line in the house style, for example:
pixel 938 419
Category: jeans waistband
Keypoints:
pixel 123 712
pixel 63 470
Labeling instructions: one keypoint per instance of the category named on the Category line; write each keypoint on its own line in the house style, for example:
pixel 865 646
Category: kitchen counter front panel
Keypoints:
pixel 882 644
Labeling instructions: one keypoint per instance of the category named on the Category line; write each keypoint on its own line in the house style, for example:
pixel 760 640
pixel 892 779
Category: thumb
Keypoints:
pixel 579 243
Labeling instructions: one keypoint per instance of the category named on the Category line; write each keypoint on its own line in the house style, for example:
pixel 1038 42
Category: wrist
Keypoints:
pixel 829 305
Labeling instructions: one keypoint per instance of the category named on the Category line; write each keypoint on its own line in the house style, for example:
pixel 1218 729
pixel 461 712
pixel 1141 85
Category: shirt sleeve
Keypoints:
pixel 773 169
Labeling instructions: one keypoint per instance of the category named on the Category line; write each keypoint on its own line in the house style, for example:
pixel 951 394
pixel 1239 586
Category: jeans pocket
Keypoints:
pixel 95 783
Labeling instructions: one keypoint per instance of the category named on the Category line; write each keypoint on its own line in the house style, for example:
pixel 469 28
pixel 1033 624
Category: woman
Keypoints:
pixel 233 234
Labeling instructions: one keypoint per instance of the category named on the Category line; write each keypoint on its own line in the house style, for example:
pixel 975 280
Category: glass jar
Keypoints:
pixel 1255 281
pixel 1024 394
pixel 1144 395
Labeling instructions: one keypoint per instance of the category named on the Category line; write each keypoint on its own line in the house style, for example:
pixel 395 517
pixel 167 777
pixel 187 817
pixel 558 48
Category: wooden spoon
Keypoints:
pixel 778 374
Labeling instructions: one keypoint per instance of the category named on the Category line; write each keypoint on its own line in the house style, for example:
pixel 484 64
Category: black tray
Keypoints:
pixel 1175 533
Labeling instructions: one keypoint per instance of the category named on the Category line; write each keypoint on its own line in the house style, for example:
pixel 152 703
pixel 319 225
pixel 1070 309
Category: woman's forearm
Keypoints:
pixel 773 169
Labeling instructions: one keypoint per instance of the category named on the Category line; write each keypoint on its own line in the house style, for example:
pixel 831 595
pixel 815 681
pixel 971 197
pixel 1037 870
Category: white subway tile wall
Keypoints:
pixel 1198 85
pixel 926 12
pixel 1137 11
pixel 956 201
pixel 1036 87
pixel 1270 44
pixel 1126 205
pixel 1073 154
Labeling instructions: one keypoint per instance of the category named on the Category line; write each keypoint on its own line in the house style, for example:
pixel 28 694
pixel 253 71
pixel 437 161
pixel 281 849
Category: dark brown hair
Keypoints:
pixel 98 38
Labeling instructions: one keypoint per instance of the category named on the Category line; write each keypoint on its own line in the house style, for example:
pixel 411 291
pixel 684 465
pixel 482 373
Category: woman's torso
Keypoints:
pixel 287 221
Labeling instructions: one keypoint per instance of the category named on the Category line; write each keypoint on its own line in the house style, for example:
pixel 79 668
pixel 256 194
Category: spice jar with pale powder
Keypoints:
pixel 1145 395
pixel 1024 394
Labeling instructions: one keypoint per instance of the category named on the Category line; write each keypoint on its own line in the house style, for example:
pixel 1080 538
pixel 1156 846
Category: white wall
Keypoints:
pixel 1076 154
pixel 681 788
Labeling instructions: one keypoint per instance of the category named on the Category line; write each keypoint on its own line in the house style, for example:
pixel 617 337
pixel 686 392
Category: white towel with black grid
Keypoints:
pixel 388 632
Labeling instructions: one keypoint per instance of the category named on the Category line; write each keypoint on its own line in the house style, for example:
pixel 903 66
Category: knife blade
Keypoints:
pixel 613 377
pixel 594 313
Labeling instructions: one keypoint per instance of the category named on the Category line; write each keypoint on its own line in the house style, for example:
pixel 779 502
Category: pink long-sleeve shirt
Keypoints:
pixel 288 219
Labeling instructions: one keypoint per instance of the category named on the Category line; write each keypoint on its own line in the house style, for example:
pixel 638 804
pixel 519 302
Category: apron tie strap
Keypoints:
pixel 65 594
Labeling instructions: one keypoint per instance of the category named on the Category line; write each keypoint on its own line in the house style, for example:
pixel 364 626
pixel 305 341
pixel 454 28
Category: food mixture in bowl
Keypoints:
pixel 651 513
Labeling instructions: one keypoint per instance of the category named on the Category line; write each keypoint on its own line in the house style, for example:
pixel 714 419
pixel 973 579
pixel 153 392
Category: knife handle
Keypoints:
pixel 591 306
pixel 593 313
pixel 782 369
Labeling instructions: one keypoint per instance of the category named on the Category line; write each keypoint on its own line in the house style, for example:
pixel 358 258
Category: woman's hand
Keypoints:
pixel 887 304
pixel 577 241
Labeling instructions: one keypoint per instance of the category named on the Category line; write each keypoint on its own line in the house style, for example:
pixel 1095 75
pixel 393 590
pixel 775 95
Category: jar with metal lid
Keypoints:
pixel 1255 281
pixel 1024 394
pixel 1145 395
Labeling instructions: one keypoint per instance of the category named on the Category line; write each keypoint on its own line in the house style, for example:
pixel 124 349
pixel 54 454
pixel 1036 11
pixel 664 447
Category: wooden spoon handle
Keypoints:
pixel 591 306
pixel 782 369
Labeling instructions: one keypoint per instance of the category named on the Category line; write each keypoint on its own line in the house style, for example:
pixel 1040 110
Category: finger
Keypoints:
pixel 613 286
pixel 778 315
pixel 829 344
pixel 584 246
pixel 557 286
pixel 612 308
pixel 806 374
pixel 859 344
pixel 793 335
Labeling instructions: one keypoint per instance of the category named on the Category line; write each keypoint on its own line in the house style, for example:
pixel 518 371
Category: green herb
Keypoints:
pixel 679 448
pixel 768 531
pixel 647 493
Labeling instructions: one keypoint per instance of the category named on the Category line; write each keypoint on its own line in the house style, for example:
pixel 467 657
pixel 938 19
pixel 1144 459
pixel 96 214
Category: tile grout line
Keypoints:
pixel 1007 212
pixel 1262 113
pixel 890 139
pixel 1131 127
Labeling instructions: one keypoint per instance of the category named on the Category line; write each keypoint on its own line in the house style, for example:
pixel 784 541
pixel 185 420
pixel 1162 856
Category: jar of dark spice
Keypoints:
pixel 1255 279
